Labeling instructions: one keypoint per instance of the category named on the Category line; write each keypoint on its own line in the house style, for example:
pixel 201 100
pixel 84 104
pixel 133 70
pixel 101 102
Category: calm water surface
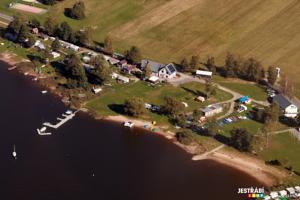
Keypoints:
pixel 88 159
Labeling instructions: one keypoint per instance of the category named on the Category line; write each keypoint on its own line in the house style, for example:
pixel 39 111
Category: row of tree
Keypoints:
pixel 18 28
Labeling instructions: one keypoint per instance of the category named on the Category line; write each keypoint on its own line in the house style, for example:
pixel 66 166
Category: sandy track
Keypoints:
pixel 154 17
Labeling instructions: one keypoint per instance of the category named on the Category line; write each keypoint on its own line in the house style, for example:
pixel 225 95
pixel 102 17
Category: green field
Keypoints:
pixel 154 95
pixel 285 148
pixel 168 30
pixel 252 90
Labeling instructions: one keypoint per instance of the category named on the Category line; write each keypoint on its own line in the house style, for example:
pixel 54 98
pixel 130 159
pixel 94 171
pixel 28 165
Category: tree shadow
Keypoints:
pixel 193 92
pixel 223 139
pixel 118 108
pixel 67 12
pixel 291 122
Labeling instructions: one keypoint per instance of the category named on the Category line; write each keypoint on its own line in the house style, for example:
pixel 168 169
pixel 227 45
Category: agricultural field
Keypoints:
pixel 168 30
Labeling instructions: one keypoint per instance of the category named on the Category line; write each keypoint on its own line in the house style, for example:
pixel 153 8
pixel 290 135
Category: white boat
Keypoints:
pixel 44 92
pixel 14 153
pixel 128 124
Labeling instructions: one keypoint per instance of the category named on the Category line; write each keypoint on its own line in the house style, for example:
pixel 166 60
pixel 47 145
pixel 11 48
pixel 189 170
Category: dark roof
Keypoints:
pixel 282 101
pixel 155 67
pixel 171 68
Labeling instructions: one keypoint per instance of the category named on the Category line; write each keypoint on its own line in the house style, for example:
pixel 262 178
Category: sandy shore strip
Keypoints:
pixel 255 167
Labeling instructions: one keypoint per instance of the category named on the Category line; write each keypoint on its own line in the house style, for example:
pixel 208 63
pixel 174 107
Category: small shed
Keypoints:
pixel 212 110
pixel 153 79
pixel 207 74
pixel 200 98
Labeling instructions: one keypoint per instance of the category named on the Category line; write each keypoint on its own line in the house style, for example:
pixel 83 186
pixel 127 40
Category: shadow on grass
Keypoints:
pixel 117 108
pixel 223 139
pixel 196 93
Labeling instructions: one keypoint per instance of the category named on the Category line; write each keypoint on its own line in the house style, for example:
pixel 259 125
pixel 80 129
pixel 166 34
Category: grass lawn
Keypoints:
pixel 252 90
pixel 285 148
pixel 112 97
pixel 251 125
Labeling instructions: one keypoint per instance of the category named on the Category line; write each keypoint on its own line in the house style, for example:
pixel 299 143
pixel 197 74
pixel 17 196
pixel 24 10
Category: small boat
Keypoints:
pixel 69 112
pixel 14 153
pixel 44 92
pixel 128 124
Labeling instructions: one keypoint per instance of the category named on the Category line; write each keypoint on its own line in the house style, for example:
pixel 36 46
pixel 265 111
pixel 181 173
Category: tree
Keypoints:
pixel 102 72
pixel 210 88
pixel 135 107
pixel 134 55
pixel 194 63
pixel 51 26
pixel 15 26
pixel 196 115
pixel 286 86
pixel 85 37
pixel 210 64
pixel 76 71
pixel 212 127
pixel 272 75
pixel 255 70
pixel 30 41
pixel 272 114
pixel 35 23
pixel 241 139
pixel 172 107
pixel 184 137
pixel 147 72
pixel 108 45
pixel 185 66
pixel 45 55
pixel 230 66
pixel 65 31
pixel 56 45
pixel 77 11
pixel 23 33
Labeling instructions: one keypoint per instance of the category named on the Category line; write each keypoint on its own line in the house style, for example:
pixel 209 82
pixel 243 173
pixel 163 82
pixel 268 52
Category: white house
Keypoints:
pixel 289 109
pixel 212 110
pixel 203 73
pixel 160 70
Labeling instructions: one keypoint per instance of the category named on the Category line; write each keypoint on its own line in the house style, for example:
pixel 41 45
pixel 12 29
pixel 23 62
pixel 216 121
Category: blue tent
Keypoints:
pixel 244 99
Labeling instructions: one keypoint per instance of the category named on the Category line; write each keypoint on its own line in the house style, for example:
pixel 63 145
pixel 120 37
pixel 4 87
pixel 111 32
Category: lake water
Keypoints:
pixel 89 159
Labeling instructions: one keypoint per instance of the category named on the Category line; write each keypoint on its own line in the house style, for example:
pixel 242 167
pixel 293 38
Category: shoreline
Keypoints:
pixel 265 174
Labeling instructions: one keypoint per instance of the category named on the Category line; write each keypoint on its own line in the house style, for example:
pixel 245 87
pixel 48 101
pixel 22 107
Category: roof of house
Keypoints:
pixel 155 66
pixel 171 68
pixel 282 101
pixel 211 108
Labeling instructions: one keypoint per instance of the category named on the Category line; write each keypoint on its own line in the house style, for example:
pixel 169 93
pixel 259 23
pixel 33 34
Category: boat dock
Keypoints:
pixel 68 116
